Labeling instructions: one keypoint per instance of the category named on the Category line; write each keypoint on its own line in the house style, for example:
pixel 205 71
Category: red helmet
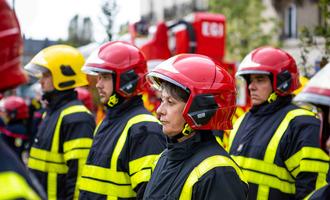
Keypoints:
pixel 122 59
pixel 16 107
pixel 11 48
pixel 85 96
pixel 211 89
pixel 275 62
pixel 317 90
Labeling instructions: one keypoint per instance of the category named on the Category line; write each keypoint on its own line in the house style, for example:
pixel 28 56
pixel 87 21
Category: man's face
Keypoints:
pixel 46 82
pixel 260 88
pixel 105 86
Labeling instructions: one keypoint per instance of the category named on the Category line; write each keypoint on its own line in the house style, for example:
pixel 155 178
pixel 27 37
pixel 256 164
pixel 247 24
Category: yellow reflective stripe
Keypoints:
pixel 120 181
pixel 106 174
pixel 263 190
pixel 106 188
pixel 111 198
pixel 218 139
pixel 321 180
pixel 47 166
pixel 140 177
pixel 76 154
pixel 97 127
pixel 14 186
pixel 81 163
pixel 205 166
pixel 52 186
pixel 314 166
pixel 234 130
pixel 271 181
pixel 239 111
pixel 46 155
pixel 67 111
pixel 77 143
pixel 123 136
pixel 263 167
pixel 307 152
pixel 141 163
pixel 273 144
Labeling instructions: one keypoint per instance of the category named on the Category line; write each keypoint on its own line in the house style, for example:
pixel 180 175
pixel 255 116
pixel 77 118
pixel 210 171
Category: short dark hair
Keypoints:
pixel 175 91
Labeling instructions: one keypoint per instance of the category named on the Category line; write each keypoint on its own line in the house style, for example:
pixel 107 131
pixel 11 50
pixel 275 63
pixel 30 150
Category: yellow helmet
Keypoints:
pixel 64 63
pixel 303 80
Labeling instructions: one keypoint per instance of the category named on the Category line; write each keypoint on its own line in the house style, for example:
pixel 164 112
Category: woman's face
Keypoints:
pixel 170 114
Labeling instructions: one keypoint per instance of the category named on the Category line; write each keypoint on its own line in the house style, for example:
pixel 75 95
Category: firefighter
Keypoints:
pixel 317 93
pixel 15 181
pixel 129 138
pixel 276 142
pixel 197 98
pixel 15 133
pixel 64 137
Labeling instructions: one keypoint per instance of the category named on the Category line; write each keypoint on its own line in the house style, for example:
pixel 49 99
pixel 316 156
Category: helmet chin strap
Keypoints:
pixel 113 100
pixel 272 97
pixel 187 130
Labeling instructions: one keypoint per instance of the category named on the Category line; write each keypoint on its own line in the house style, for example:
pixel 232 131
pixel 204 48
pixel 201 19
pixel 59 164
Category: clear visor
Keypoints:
pixel 247 72
pixel 94 71
pixel 155 80
pixel 35 70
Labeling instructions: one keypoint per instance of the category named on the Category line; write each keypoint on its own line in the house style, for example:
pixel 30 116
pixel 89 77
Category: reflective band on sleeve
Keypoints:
pixel 47 166
pixel 46 155
pixel 77 144
pixel 140 163
pixel 140 177
pixel 106 188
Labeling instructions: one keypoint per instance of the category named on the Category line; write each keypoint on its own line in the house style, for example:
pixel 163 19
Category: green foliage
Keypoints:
pixel 244 22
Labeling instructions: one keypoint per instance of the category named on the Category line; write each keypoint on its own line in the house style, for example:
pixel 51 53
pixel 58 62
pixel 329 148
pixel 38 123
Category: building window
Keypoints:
pixel 290 21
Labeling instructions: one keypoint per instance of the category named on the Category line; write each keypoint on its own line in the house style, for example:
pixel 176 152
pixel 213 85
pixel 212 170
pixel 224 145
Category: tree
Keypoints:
pixel 317 38
pixel 80 31
pixel 109 10
pixel 245 26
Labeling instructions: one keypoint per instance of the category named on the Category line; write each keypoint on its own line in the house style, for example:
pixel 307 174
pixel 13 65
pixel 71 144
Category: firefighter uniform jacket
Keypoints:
pixel 61 146
pixel 125 146
pixel 277 147
pixel 321 194
pixel 197 168
pixel 15 180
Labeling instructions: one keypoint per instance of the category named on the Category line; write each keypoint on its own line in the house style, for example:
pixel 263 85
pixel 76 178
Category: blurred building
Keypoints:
pixel 32 47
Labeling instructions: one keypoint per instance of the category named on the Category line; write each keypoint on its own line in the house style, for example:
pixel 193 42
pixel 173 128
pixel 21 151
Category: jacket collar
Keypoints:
pixel 57 99
pixel 183 150
pixel 127 104
pixel 269 108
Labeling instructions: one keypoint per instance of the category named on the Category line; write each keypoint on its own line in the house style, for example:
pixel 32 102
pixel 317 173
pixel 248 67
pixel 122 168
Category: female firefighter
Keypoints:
pixel 197 97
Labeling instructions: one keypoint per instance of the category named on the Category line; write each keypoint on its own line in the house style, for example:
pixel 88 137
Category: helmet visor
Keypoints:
pixel 155 80
pixel 94 71
pixel 35 70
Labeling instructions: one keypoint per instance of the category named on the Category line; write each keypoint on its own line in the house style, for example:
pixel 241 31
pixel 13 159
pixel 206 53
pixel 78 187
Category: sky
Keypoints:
pixel 50 19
